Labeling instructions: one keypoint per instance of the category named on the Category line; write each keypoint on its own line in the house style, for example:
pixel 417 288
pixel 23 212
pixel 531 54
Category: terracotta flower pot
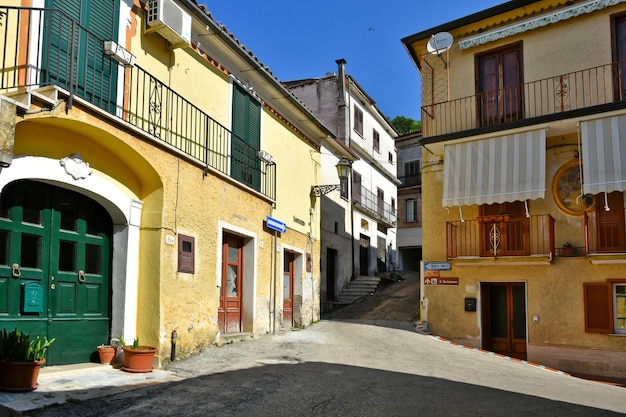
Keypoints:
pixel 139 360
pixel 19 376
pixel 107 354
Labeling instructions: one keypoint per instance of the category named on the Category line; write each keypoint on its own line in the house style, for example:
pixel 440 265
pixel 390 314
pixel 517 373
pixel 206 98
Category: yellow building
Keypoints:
pixel 523 180
pixel 155 178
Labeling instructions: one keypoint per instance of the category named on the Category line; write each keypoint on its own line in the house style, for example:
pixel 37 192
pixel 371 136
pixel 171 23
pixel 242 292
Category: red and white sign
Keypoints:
pixel 441 281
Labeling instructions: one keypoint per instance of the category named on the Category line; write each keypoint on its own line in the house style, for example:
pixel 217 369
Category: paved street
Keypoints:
pixel 356 367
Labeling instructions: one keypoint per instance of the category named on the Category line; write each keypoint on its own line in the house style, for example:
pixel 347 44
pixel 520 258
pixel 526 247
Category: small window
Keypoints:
pixel 376 140
pixel 619 303
pixel 390 158
pixel 186 249
pixel 358 121
pixel 411 210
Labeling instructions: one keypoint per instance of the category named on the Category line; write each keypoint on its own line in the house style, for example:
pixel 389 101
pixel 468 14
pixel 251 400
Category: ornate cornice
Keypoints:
pixel 537 22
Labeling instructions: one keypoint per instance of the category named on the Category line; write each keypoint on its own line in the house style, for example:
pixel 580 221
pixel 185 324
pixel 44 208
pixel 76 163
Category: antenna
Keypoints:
pixel 440 43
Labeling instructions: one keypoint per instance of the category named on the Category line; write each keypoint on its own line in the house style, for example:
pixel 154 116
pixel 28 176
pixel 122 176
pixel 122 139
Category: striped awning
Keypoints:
pixel 604 155
pixel 495 170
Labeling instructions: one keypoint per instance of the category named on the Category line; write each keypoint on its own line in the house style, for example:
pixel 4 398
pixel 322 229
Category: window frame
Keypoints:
pixel 358 121
pixel 496 106
pixel 186 263
pixel 410 206
pixel 376 140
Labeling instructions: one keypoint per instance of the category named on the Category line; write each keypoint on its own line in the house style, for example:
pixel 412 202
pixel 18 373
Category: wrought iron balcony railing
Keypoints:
pixel 377 208
pixel 44 47
pixel 495 236
pixel 556 95
pixel 410 181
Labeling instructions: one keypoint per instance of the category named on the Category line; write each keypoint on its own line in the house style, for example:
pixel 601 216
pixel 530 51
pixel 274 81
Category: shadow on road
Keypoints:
pixel 319 389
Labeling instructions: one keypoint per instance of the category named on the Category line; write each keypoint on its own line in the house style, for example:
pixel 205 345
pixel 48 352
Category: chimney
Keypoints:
pixel 343 111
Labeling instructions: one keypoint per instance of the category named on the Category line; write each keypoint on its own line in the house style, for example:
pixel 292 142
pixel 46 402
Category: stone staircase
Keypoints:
pixel 357 288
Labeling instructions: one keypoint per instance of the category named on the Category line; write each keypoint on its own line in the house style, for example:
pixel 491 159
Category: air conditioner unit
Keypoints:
pixel 170 21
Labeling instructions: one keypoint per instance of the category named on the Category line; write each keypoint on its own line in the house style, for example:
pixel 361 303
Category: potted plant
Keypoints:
pixel 107 353
pixel 568 250
pixel 138 358
pixel 20 360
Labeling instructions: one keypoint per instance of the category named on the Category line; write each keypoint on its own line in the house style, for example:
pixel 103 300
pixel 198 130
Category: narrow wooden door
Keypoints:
pixel 288 276
pixel 611 229
pixel 504 318
pixel 229 311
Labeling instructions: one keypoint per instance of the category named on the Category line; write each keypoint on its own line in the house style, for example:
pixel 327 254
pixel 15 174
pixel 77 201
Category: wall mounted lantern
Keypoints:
pixel 343 170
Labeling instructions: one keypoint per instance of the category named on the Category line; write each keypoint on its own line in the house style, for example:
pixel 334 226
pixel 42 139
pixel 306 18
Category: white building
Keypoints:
pixel 359 222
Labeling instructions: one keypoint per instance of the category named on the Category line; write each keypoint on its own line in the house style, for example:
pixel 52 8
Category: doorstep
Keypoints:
pixel 58 384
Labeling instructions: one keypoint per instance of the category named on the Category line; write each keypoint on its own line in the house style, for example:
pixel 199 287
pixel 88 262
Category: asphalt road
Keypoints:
pixel 364 365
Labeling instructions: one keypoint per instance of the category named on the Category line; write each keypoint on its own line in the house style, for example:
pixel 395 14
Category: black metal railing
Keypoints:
pixel 410 180
pixel 377 208
pixel 555 95
pixel 44 47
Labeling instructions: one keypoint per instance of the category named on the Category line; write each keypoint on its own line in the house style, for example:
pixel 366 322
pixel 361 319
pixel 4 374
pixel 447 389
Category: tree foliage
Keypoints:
pixel 404 125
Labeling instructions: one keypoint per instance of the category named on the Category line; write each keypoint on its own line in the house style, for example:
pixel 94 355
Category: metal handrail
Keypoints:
pixel 554 95
pixel 45 47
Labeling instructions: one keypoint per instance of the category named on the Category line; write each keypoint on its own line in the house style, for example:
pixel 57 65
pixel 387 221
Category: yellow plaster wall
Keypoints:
pixel 554 292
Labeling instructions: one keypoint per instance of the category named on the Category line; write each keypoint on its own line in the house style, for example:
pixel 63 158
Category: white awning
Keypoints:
pixel 495 170
pixel 604 155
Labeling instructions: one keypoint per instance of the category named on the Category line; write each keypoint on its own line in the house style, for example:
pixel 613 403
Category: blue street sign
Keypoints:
pixel 276 224
pixel 437 266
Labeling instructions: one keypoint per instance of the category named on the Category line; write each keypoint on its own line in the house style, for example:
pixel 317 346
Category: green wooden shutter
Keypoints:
pixel 598 307
pixel 246 139
pixel 93 76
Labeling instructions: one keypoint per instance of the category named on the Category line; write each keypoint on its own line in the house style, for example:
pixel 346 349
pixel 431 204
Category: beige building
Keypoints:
pixel 155 178
pixel 523 177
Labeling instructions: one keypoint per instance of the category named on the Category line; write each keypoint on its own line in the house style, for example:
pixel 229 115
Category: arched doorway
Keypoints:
pixel 55 268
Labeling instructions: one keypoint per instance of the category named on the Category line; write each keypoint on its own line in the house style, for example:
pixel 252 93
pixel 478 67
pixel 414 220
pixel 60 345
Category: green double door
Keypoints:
pixel 55 268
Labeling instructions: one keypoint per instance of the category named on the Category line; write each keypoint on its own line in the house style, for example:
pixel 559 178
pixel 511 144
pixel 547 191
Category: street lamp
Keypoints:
pixel 343 170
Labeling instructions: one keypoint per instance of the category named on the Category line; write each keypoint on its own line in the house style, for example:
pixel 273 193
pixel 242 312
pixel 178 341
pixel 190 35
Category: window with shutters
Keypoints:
pixel 619 56
pixel 246 138
pixel 376 140
pixel 411 210
pixel 605 306
pixel 499 86
pixel 72 56
pixel 358 121
pixel 186 249
pixel 356 187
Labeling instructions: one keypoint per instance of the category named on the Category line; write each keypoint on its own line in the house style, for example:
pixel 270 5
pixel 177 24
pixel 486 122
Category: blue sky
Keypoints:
pixel 303 39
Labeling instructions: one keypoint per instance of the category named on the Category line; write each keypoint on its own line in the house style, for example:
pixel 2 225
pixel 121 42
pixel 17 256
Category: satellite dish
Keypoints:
pixel 439 43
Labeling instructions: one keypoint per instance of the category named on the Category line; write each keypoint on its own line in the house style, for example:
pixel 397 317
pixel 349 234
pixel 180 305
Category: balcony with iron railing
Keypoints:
pixel 37 52
pixel 407 181
pixel 371 204
pixel 587 91
pixel 500 236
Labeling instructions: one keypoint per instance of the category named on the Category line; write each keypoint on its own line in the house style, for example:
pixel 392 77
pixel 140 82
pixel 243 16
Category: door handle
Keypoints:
pixel 15 270
pixel 81 276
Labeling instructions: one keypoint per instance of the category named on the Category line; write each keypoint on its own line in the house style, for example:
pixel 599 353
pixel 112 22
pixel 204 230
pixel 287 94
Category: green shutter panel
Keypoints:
pixel 93 76
pixel 598 307
pixel 246 129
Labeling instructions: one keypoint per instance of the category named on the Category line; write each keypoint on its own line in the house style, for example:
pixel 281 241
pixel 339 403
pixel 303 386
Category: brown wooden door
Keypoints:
pixel 611 223
pixel 499 86
pixel 504 318
pixel 505 229
pixel 229 312
pixel 288 275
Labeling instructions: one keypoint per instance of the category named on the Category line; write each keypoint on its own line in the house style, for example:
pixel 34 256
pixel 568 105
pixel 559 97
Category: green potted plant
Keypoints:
pixel 137 357
pixel 21 359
